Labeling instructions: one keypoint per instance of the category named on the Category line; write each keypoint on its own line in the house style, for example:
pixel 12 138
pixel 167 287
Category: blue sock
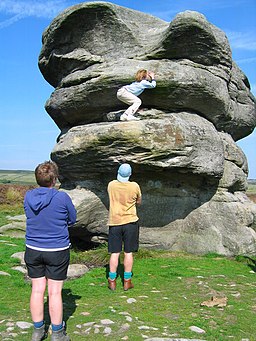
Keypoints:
pixel 56 327
pixel 112 275
pixel 38 324
pixel 127 275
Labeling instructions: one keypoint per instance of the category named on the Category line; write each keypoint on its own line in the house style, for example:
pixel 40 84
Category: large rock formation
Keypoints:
pixel 183 150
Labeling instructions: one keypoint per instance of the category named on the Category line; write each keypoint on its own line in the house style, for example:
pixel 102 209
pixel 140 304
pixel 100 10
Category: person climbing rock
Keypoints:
pixel 128 94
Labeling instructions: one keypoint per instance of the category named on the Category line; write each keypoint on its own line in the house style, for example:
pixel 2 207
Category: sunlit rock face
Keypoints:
pixel 182 150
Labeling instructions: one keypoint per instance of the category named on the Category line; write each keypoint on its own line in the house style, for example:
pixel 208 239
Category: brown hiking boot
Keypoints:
pixel 112 284
pixel 38 334
pixel 60 335
pixel 128 284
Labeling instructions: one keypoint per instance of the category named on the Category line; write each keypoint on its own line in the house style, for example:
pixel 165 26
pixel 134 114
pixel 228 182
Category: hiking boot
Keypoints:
pixel 38 334
pixel 112 284
pixel 128 284
pixel 60 335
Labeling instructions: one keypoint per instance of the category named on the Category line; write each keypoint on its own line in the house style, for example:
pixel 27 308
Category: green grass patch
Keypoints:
pixel 9 210
pixel 169 288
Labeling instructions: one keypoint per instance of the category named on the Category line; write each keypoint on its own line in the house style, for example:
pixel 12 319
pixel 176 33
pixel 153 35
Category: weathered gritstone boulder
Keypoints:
pixel 91 49
pixel 182 151
pixel 176 141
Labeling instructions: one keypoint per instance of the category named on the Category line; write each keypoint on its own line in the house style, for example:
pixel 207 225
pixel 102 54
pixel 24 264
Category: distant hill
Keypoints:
pixel 26 177
pixel 21 177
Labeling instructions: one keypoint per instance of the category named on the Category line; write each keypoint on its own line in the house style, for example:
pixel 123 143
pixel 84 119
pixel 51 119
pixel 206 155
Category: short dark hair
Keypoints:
pixel 46 173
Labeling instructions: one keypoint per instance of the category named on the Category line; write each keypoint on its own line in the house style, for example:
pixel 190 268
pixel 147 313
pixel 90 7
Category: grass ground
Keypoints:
pixel 166 300
pixel 169 288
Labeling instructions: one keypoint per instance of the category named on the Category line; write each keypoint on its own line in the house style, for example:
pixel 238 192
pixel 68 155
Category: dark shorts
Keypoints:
pixel 49 264
pixel 127 234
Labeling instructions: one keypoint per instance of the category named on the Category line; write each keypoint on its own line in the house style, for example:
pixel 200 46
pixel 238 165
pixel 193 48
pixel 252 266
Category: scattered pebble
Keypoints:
pixel 88 324
pixel 20 256
pixel 20 269
pixel 87 331
pixel 85 313
pixel 124 313
pixel 3 273
pixel 106 322
pixel 96 330
pixel 107 330
pixel 147 328
pixel 197 330
pixel 128 318
pixel 131 300
pixel 236 294
pixel 24 325
pixel 124 327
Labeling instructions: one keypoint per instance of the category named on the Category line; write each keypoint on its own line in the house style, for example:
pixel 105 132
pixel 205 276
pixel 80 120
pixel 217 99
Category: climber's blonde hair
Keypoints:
pixel 141 74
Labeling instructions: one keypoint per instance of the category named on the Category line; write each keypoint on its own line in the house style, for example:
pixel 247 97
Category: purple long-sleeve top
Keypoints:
pixel 49 212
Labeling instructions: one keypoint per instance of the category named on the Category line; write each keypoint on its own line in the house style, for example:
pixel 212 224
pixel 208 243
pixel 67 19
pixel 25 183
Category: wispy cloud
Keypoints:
pixel 242 40
pixel 19 9
pixel 11 21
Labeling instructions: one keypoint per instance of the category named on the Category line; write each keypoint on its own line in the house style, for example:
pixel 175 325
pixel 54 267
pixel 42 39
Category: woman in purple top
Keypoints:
pixel 128 94
pixel 49 212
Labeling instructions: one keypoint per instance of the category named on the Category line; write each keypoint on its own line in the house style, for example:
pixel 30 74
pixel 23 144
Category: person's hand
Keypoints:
pixel 151 74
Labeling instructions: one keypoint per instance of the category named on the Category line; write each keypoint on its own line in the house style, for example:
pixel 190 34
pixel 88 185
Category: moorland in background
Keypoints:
pixel 20 177
pixel 19 181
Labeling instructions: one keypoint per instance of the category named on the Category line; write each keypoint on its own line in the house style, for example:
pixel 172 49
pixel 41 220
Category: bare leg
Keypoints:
pixel 113 262
pixel 128 262
pixel 55 301
pixel 37 299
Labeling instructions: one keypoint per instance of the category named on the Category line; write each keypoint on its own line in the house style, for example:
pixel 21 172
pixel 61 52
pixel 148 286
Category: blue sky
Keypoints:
pixel 28 134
